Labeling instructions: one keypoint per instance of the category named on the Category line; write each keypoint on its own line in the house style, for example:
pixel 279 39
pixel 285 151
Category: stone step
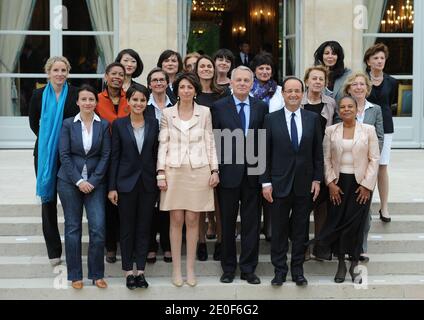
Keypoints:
pixel 320 287
pixel 31 226
pixel 378 243
pixel 380 264
pixel 25 210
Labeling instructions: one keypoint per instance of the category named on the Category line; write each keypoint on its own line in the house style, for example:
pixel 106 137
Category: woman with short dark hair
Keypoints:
pixel 171 62
pixel 130 59
pixel 224 62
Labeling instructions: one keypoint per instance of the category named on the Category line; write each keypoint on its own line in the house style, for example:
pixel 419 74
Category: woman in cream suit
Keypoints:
pixel 187 170
pixel 351 158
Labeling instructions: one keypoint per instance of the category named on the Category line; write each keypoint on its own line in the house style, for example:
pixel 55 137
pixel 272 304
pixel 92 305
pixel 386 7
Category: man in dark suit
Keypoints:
pixel 292 179
pixel 239 116
pixel 244 57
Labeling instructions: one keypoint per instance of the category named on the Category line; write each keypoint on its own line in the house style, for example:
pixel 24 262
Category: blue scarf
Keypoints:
pixel 265 91
pixel 48 140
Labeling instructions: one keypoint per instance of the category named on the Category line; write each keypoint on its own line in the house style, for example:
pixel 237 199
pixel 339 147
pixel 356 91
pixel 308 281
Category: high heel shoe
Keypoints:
pixel 383 218
pixel 131 282
pixel 192 282
pixel 178 282
pixel 100 283
pixel 77 284
pixel 341 272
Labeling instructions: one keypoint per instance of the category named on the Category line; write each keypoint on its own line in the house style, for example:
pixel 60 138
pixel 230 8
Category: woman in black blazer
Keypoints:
pixel 84 150
pixel 132 182
pixel 57 70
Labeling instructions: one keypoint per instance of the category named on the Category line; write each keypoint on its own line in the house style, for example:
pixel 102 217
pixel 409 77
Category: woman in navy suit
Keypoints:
pixel 84 150
pixel 132 182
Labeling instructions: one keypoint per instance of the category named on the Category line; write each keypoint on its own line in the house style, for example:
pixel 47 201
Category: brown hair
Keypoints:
pixel 188 56
pixel 378 47
pixel 318 67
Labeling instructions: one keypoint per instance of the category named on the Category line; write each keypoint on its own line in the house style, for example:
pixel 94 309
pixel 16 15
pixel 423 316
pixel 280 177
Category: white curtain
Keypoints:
pixel 376 9
pixel 101 16
pixel 14 15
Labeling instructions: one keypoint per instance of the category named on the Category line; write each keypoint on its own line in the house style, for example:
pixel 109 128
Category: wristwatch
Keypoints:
pixel 215 171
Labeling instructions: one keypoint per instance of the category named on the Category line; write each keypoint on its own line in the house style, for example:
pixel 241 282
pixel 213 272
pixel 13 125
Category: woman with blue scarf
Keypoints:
pixel 48 107
pixel 267 90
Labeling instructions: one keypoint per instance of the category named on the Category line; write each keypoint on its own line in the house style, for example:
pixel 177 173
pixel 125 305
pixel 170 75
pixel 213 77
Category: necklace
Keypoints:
pixel 376 79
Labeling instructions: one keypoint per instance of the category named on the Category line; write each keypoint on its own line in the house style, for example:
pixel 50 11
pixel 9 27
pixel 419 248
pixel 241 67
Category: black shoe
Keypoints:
pixel 341 273
pixel 300 280
pixel 217 252
pixel 111 259
pixel 167 259
pixel 151 260
pixel 364 259
pixel 140 281
pixel 202 252
pixel 250 278
pixel 131 284
pixel 278 279
pixel 227 277
pixel 383 218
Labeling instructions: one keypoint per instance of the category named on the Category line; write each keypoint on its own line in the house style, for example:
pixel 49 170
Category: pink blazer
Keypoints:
pixel 197 142
pixel 366 154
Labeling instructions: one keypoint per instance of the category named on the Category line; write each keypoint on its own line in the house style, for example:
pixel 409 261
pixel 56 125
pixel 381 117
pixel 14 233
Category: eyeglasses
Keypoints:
pixel 161 80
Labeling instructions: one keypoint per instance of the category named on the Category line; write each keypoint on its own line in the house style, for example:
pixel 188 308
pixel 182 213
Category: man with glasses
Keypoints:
pixel 292 179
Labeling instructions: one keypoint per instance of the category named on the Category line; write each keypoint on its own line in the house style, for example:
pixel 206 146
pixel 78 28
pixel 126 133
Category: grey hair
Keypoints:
pixel 244 68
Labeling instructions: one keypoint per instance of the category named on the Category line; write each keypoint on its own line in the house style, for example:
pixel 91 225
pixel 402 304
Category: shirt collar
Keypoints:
pixel 368 105
pixel 289 113
pixel 237 101
pixel 153 102
pixel 78 118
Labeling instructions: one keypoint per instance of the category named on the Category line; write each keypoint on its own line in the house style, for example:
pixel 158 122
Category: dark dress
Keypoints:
pixel 207 99
pixel 342 233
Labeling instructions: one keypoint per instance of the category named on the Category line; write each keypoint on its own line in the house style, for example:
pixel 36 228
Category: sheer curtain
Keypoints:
pixel 14 15
pixel 375 14
pixel 101 16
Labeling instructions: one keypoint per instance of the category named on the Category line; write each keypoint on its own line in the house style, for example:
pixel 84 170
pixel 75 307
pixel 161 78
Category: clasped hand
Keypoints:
pixel 86 187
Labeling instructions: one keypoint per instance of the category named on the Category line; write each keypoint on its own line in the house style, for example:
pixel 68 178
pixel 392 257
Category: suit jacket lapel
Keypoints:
pixel 285 130
pixel 131 132
pixel 233 111
pixel 146 132
pixel 358 133
pixel 338 137
pixel 77 126
pixel 253 111
pixel 195 118
pixel 96 135
pixel 176 122
pixel 305 122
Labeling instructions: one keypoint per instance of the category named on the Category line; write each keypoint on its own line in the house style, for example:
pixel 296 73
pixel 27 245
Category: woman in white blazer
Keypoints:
pixel 351 158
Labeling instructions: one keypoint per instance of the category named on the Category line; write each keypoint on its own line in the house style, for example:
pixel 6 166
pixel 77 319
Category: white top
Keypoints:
pixel 361 117
pixel 297 119
pixel 87 141
pixel 346 161
pixel 139 137
pixel 158 111
pixel 276 102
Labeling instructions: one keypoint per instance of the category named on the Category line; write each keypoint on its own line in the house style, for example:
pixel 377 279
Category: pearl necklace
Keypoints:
pixel 376 79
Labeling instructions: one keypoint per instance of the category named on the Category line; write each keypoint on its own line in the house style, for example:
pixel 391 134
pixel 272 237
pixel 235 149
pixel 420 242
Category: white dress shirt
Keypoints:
pixel 361 117
pixel 298 121
pixel 87 141
pixel 158 111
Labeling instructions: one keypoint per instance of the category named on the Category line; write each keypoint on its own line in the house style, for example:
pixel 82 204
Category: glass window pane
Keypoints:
pixel 86 54
pixel 291 17
pixel 390 16
pixel 40 19
pixel 290 57
pixel 79 15
pixel 16 94
pixel 402 106
pixel 23 54
pixel 400 60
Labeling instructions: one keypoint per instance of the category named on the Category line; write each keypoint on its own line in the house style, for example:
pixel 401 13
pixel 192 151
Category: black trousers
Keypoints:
pixel 290 219
pixel 112 226
pixel 135 211
pixel 249 199
pixel 160 224
pixel 49 221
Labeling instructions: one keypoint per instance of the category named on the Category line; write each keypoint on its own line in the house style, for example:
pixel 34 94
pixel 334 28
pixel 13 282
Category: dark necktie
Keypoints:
pixel 242 116
pixel 294 138
pixel 245 59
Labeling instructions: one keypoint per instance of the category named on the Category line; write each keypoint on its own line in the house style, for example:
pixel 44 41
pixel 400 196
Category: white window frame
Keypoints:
pixel 15 130
pixel 297 36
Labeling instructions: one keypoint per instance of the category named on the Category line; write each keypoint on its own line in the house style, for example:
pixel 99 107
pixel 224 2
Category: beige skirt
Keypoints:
pixel 188 189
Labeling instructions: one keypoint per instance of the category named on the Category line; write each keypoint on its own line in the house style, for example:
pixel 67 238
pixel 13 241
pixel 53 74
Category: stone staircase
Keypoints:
pixel 395 270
